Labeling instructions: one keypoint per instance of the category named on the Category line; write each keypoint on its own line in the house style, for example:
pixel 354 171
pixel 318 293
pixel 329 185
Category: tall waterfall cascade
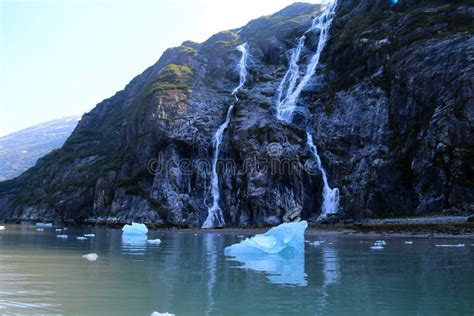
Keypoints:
pixel 215 217
pixel 293 83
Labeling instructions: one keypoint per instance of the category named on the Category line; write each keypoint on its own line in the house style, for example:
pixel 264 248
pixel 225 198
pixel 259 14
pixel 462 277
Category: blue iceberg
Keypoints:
pixel 135 230
pixel 287 237
pixel 279 253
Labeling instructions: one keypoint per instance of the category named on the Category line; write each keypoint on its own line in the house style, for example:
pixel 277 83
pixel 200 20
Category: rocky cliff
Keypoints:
pixel 390 106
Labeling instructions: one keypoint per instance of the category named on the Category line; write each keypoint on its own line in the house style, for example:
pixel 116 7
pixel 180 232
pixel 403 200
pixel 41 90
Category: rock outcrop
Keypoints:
pixel 391 107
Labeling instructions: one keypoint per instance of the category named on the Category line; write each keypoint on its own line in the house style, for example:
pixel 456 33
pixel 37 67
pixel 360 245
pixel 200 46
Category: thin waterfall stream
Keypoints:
pixel 290 89
pixel 215 217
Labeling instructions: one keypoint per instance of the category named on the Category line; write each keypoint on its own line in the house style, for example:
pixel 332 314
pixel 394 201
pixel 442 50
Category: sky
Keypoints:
pixel 62 57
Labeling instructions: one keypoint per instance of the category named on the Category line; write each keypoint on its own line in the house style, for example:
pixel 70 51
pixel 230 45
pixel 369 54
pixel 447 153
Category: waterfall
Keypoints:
pixel 215 217
pixel 330 196
pixel 290 89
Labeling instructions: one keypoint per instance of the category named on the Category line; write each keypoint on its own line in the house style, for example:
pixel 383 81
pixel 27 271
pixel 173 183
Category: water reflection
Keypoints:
pixel 134 244
pixel 211 251
pixel 331 271
pixel 332 276
pixel 283 269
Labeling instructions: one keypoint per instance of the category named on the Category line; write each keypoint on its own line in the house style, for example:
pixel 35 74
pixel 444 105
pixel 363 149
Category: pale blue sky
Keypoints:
pixel 62 57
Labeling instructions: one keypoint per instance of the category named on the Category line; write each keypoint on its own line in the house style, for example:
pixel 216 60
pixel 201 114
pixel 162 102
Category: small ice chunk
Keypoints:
pixel 39 229
pixel 452 245
pixel 315 243
pixel 58 230
pixel 376 247
pixel 44 224
pixel 282 238
pixel 91 257
pixel 2 227
pixel 161 314
pixel 89 235
pixel 380 243
pixel 81 238
pixel 408 242
pixel 62 236
pixel 134 229
pixel 240 236
pixel 154 241
pixel 64 228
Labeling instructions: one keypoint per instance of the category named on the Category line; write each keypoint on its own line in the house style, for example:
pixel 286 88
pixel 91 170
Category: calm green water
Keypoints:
pixel 188 274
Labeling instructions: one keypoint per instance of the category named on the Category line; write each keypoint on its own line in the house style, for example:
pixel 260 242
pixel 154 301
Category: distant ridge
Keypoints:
pixel 20 150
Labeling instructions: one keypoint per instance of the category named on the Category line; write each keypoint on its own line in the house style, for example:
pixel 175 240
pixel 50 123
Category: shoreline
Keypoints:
pixel 346 231
pixel 412 227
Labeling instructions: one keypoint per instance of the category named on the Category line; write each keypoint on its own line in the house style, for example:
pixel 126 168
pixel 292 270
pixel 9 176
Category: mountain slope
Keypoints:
pixel 20 150
pixel 390 107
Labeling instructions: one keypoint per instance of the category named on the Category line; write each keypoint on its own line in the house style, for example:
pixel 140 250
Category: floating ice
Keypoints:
pixel 89 235
pixel 44 224
pixel 408 242
pixel 64 228
pixel 240 236
pixel 161 314
pixel 58 230
pixel 453 245
pixel 315 243
pixel 91 256
pixel 81 238
pixel 62 236
pixel 286 237
pixel 39 229
pixel 154 241
pixel 380 242
pixel 376 247
pixel 134 229
pixel 2 227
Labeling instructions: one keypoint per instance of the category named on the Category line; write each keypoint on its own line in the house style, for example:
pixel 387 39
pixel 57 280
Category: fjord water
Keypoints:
pixel 188 274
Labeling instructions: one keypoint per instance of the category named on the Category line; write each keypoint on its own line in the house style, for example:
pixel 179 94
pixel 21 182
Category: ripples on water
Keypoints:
pixel 188 274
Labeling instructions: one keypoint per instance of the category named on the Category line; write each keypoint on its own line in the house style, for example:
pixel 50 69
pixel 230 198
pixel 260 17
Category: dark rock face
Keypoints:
pixel 391 107
pixel 410 88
